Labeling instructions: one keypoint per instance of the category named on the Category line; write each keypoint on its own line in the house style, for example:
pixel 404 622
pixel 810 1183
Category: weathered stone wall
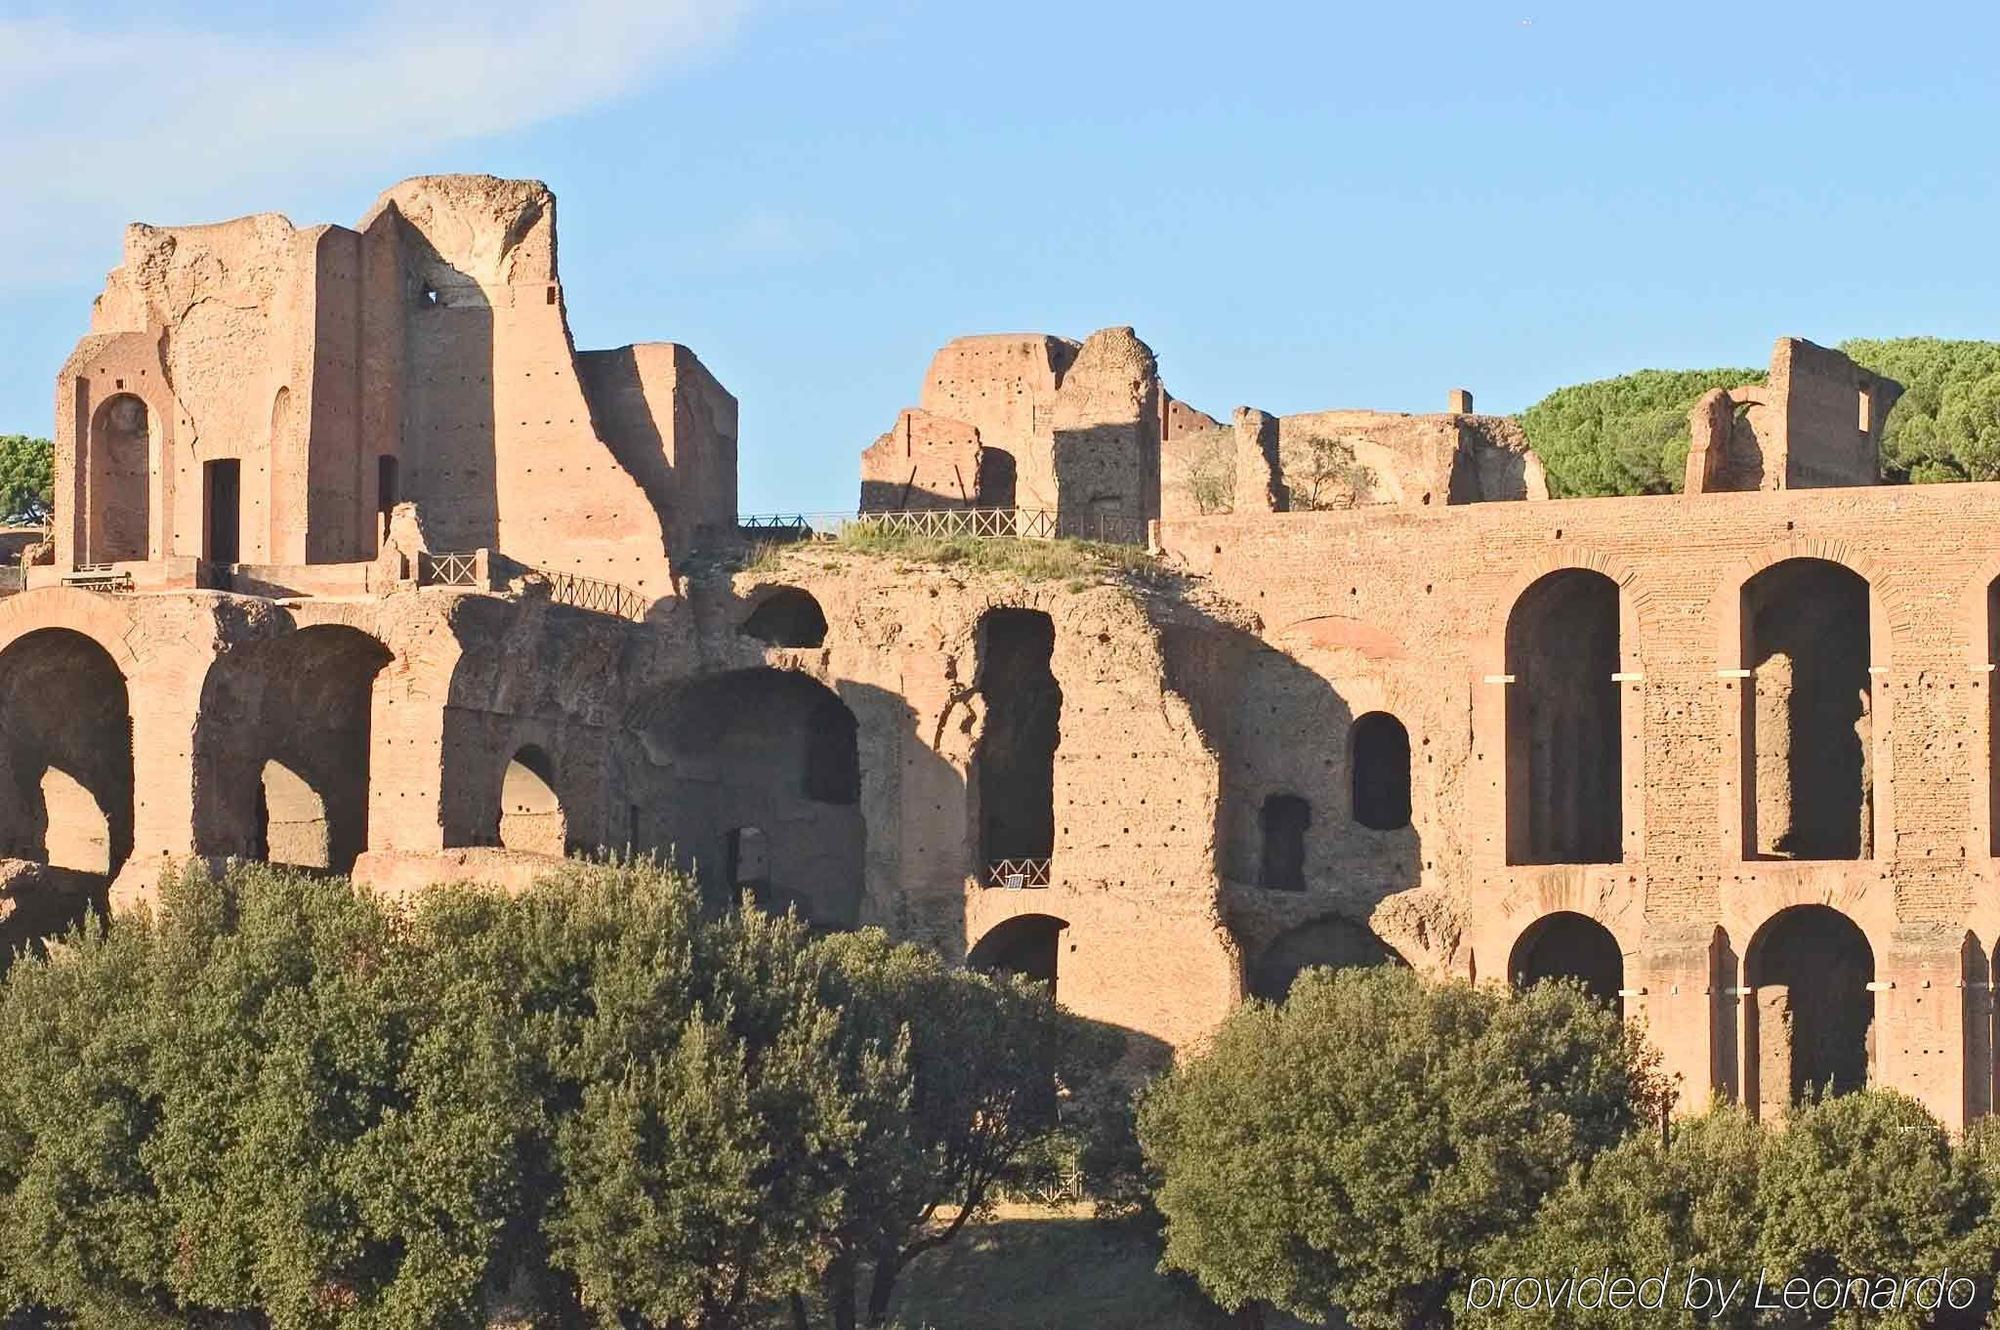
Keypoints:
pixel 1425 598
pixel 425 351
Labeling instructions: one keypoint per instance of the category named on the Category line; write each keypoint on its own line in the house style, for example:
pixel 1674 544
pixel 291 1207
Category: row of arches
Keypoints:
pixel 1806 716
pixel 1804 1010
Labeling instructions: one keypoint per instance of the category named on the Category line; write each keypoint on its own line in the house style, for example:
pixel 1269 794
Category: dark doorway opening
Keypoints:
pixel 1013 760
pixel 222 480
pixel 386 493
pixel 1379 763
pixel 996 478
pixel 1285 819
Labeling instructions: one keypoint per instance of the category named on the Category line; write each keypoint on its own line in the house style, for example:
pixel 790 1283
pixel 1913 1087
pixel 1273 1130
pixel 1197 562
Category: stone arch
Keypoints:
pixel 1805 714
pixel 283 747
pixel 1569 945
pixel 1378 766
pixel 65 752
pixel 753 778
pixel 1810 1021
pixel 1495 803
pixel 118 481
pixel 787 616
pixel 1888 619
pixel 1028 945
pixel 1011 788
pixel 531 812
pixel 1332 942
pixel 1565 727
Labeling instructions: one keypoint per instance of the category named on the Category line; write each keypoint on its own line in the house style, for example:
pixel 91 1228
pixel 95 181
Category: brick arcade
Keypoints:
pixel 359 565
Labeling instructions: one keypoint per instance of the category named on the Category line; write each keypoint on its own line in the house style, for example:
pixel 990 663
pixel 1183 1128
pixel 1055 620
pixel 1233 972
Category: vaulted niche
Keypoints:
pixel 1808 727
pixel 1564 733
pixel 1013 758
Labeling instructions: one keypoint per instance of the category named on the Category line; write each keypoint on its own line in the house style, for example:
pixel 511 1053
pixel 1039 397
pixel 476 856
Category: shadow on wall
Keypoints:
pixel 753 780
pixel 66 726
pixel 282 748
pixel 1313 818
pixel 449 418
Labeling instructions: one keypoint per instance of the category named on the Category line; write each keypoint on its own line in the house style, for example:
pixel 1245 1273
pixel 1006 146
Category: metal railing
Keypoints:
pixel 461 568
pixel 1016 874
pixel 948 524
pixel 591 593
pixel 97 577
pixel 454 568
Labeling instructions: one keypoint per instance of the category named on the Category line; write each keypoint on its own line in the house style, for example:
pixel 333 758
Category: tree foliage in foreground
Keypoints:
pixel 1856 1187
pixel 279 1102
pixel 27 478
pixel 1355 1146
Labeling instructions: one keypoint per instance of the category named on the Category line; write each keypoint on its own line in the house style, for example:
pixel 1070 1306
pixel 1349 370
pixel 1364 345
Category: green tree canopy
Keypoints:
pixel 279 1102
pixel 1947 424
pixel 1627 435
pixel 1856 1187
pixel 1356 1146
pixel 27 478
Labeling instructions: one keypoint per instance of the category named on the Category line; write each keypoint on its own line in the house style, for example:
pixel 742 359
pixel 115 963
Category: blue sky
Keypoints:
pixel 1297 205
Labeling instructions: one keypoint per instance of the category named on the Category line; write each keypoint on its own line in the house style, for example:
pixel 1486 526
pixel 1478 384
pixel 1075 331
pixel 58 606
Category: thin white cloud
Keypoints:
pixel 101 125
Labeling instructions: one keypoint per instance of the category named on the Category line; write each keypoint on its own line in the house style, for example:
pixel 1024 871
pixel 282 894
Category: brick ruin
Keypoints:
pixel 360 566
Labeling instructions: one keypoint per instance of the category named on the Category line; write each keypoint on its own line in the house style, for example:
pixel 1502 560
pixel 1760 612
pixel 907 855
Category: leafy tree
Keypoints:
pixel 27 478
pixel 988 1058
pixel 1946 426
pixel 1865 1185
pixel 1210 478
pixel 1686 1207
pixel 1627 435
pixel 1321 474
pixel 1356 1146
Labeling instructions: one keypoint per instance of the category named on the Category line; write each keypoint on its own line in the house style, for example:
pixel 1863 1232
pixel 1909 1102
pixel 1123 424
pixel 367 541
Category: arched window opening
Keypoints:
pixel 996 484
pixel 292 821
pixel 1812 1015
pixel 1564 732
pixel 1379 771
pixel 752 779
pixel 119 479
pixel 788 617
pixel 1332 943
pixel 283 743
pixel 833 755
pixel 1028 945
pixel 531 815
pixel 1567 945
pixel 66 729
pixel 1285 819
pixel 1808 729
pixel 1013 758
